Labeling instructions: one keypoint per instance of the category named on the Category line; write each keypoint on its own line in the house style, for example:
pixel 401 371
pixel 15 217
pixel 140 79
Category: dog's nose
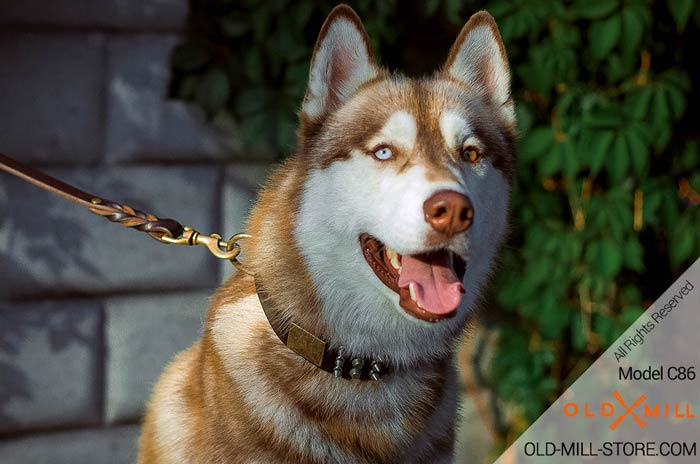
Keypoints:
pixel 448 212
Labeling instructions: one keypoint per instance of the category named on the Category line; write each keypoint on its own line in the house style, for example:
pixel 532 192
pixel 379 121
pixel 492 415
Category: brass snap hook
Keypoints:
pixel 216 246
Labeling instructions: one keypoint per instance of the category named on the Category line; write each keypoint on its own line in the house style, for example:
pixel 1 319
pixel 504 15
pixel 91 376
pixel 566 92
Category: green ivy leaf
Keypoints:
pixel 638 151
pixel 570 249
pixel 676 101
pixel 618 67
pixel 604 35
pixel 618 159
pixel 681 11
pixel 632 30
pixel 600 143
pixel 605 257
pixel 681 244
pixel 639 101
pixel 537 272
pixel 554 320
pixel 536 144
pixel 453 10
pixel 501 8
pixel 609 117
pixel 688 160
pixel 659 105
pixel 551 161
pixel 594 9
pixel 633 255
pixel 565 36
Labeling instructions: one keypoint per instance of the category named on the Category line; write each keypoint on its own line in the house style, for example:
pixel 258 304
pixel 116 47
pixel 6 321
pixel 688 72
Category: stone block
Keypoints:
pixel 143 124
pixel 50 365
pixel 51 90
pixel 114 445
pixel 144 333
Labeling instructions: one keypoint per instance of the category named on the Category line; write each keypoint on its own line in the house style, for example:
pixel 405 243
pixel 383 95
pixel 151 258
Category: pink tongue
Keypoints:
pixel 438 290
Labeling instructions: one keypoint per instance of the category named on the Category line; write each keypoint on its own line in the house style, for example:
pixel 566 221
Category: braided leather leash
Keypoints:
pixel 167 231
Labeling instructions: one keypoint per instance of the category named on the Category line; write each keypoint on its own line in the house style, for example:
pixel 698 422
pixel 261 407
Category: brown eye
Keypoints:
pixel 471 153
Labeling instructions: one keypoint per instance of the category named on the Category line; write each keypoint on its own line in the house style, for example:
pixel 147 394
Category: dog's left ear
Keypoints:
pixel 479 59
pixel 342 61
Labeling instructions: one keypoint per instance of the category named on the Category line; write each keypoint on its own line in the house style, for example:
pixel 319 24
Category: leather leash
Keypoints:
pixel 167 231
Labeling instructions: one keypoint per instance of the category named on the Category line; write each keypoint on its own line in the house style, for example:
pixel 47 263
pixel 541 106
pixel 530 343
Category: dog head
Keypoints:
pixel 405 203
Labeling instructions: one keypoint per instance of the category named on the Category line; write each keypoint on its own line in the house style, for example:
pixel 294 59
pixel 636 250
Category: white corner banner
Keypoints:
pixel 639 402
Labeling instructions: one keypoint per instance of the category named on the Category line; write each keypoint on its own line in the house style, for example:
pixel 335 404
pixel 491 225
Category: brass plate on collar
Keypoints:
pixel 305 344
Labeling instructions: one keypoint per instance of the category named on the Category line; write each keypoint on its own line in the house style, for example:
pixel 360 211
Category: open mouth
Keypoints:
pixel 429 284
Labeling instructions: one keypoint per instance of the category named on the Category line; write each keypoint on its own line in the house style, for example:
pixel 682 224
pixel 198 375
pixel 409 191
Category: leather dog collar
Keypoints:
pixel 318 352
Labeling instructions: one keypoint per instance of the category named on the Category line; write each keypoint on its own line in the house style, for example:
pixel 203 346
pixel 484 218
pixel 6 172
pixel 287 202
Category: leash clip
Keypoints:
pixel 216 246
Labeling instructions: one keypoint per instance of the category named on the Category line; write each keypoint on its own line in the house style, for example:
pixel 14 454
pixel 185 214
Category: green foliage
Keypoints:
pixel 601 225
pixel 605 201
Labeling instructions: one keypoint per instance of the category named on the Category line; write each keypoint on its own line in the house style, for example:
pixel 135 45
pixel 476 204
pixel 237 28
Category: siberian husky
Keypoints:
pixel 370 249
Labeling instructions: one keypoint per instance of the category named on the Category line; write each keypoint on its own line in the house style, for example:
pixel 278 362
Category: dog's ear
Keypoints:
pixel 479 59
pixel 341 62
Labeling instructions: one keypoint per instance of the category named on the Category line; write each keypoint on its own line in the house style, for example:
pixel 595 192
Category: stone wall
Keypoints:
pixel 91 312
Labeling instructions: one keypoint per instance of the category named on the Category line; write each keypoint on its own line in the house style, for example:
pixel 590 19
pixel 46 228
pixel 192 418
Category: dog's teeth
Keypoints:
pixel 414 298
pixel 393 258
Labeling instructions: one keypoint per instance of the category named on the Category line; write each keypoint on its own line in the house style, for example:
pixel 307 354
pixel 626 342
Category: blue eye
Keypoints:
pixel 383 153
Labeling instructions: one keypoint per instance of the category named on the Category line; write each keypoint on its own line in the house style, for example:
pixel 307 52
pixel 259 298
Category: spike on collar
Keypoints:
pixel 319 353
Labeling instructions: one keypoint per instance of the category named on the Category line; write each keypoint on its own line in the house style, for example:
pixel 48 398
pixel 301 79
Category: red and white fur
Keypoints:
pixel 373 148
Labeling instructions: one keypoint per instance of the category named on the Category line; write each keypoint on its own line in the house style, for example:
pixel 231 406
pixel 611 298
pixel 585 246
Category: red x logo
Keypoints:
pixel 629 410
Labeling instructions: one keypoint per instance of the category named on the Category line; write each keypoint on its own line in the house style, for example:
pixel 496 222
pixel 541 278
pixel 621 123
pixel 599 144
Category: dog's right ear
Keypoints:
pixel 342 61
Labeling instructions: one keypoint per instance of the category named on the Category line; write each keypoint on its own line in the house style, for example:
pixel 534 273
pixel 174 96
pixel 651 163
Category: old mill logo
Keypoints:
pixel 638 411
